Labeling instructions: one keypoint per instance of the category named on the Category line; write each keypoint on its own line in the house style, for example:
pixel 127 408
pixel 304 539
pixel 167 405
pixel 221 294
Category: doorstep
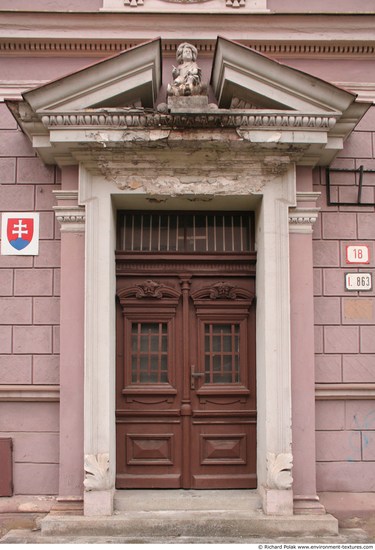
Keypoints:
pixel 179 513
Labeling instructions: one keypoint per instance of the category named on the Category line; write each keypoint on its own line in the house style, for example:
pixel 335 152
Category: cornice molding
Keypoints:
pixel 98 48
pixel 13 392
pixel 364 90
pixel 101 33
pixel 344 391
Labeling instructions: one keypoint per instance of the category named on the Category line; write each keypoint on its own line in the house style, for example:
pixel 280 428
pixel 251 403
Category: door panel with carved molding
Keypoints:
pixel 185 388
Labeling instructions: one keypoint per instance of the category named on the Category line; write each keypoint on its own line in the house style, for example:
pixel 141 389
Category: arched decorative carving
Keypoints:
pixel 149 289
pixel 222 290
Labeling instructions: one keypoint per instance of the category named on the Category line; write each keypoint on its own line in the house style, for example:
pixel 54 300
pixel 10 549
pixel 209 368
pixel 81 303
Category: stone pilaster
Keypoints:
pixel 72 222
pixel 301 219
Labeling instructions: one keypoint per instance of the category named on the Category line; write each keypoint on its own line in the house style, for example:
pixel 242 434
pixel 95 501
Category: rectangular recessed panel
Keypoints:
pixel 223 449
pixel 185 233
pixel 149 449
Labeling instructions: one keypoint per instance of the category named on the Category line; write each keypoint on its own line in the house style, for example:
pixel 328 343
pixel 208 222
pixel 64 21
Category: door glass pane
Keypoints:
pixel 222 352
pixel 149 355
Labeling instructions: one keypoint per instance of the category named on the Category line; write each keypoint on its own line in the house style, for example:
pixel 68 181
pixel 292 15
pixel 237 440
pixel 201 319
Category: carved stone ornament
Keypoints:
pixel 187 76
pixel 279 468
pixel 97 472
pixel 235 3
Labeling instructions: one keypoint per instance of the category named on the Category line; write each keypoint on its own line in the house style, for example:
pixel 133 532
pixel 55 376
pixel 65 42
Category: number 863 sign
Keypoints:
pixel 358 281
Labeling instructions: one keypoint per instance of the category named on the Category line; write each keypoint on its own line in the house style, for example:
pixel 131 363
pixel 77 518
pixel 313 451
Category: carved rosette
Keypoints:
pixel 222 291
pixel 97 472
pixel 279 475
pixel 148 290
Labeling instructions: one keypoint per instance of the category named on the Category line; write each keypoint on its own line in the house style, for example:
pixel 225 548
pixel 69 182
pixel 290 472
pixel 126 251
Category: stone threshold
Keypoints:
pixel 190 523
pixel 147 500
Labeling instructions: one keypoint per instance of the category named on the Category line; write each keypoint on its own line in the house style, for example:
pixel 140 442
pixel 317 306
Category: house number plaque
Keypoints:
pixel 358 281
pixel 357 254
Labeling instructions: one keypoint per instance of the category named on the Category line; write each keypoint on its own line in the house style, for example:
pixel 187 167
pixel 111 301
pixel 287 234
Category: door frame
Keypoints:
pixel 271 204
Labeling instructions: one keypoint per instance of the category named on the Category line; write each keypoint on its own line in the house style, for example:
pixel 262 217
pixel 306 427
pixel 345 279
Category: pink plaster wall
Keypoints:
pixel 33 428
pixel 320 6
pixel 52 5
pixel 345 322
pixel 29 314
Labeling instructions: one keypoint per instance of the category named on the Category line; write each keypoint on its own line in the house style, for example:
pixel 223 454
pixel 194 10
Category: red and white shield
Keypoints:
pixel 20 232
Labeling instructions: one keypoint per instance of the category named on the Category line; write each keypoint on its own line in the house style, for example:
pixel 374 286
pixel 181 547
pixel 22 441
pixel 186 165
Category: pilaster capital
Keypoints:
pixel 68 212
pixel 303 216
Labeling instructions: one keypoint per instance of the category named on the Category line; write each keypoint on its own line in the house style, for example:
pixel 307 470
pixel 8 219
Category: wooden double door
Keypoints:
pixel 185 397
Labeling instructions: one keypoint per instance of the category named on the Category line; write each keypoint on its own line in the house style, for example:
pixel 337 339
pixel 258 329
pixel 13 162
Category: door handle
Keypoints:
pixel 193 376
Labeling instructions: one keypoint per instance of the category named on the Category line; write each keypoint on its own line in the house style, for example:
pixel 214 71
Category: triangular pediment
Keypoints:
pixel 253 78
pixel 130 78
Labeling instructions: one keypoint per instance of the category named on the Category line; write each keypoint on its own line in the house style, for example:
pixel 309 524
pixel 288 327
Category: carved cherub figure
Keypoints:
pixel 187 76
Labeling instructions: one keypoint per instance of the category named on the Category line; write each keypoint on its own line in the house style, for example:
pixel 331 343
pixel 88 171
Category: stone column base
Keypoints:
pixel 277 502
pixel 67 505
pixel 98 503
pixel 307 504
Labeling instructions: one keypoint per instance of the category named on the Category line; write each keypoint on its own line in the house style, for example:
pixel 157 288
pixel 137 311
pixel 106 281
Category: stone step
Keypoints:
pixel 188 523
pixel 132 500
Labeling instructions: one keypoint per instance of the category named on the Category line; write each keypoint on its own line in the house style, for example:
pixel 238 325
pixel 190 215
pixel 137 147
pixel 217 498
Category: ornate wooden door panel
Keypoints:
pixel 148 377
pixel 186 413
pixel 185 388
pixel 223 385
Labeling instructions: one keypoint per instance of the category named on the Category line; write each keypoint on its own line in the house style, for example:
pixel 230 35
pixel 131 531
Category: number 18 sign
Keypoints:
pixel 357 254
pixel 20 234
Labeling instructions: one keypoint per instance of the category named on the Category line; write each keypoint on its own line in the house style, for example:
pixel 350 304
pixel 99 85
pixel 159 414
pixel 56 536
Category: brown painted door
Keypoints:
pixel 185 398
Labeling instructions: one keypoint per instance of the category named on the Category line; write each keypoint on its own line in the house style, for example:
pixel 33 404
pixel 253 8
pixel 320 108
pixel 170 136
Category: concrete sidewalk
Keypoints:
pixel 356 515
pixel 345 536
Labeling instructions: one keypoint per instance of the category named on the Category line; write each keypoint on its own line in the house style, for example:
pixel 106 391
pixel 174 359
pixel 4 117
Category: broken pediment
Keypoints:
pixel 262 105
pixel 239 71
pixel 132 77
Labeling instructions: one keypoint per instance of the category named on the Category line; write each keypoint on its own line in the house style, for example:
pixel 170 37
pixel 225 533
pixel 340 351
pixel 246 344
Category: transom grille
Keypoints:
pixel 185 233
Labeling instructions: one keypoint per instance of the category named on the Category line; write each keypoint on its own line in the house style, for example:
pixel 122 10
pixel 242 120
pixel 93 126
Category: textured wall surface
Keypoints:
pixel 345 320
pixel 29 314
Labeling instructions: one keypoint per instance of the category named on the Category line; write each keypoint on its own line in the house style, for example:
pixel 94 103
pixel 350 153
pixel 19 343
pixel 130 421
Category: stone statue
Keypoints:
pixel 187 76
